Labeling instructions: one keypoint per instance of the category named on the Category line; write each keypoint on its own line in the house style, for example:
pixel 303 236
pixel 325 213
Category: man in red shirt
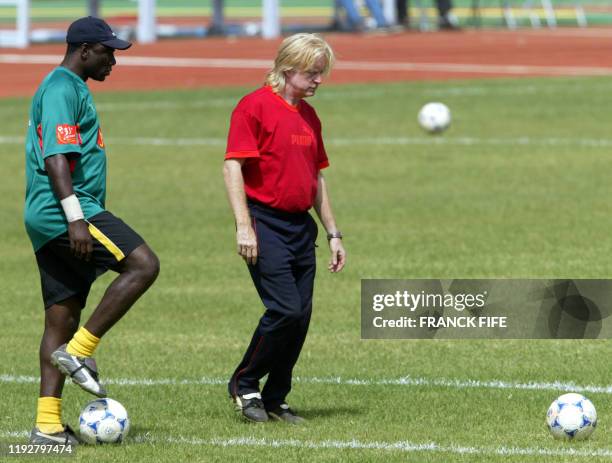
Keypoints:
pixel 273 176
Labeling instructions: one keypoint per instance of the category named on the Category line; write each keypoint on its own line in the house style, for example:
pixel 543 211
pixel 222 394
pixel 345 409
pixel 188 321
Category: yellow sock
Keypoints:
pixel 83 343
pixel 49 415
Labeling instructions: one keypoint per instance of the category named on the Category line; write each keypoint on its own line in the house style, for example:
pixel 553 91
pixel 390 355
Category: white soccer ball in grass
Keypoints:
pixel 434 117
pixel 104 421
pixel 571 416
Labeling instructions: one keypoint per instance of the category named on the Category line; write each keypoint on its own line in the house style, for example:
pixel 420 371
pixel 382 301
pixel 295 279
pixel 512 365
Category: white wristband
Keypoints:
pixel 72 208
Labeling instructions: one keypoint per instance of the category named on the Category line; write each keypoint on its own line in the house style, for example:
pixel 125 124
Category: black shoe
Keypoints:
pixel 284 413
pixel 66 437
pixel 251 407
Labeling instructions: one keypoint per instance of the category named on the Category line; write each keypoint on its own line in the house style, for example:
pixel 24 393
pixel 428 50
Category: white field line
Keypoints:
pixel 370 66
pixel 12 140
pixel 230 103
pixel 168 104
pixel 330 94
pixel 354 444
pixel 470 141
pixel 566 32
pixel 13 434
pixel 381 141
pixel 402 446
pixel 141 141
pixel 406 381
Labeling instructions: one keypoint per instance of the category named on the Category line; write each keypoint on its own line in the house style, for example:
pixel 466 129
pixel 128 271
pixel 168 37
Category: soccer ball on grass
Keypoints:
pixel 571 416
pixel 434 117
pixel 104 421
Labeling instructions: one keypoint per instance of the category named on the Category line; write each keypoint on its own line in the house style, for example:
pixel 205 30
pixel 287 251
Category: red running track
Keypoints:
pixel 394 57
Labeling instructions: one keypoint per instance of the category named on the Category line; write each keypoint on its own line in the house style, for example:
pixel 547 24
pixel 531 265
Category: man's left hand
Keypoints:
pixel 338 255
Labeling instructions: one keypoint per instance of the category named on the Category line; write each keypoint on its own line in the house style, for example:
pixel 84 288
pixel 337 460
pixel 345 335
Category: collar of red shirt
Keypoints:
pixel 282 100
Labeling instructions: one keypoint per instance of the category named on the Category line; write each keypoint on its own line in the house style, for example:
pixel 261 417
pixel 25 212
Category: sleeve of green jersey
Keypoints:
pixel 59 121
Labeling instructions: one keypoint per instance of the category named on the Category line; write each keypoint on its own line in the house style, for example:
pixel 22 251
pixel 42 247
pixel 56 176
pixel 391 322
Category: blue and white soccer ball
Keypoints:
pixel 571 416
pixel 104 421
pixel 434 117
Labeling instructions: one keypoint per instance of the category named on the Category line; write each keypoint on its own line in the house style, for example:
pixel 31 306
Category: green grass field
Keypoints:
pixel 518 187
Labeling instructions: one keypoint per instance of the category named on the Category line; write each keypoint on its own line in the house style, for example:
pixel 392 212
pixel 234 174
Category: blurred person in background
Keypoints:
pixel 354 19
pixel 446 19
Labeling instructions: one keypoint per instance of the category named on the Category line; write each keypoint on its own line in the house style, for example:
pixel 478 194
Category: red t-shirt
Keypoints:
pixel 283 147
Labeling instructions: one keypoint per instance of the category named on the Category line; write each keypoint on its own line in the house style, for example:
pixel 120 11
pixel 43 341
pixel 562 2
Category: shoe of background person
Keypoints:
pixel 82 370
pixel 449 22
pixel 66 437
pixel 251 407
pixel 284 413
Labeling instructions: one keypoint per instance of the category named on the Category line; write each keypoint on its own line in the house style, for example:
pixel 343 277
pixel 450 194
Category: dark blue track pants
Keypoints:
pixel 284 278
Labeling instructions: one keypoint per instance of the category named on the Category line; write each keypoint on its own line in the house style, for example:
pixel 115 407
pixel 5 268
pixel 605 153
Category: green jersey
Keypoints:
pixel 63 120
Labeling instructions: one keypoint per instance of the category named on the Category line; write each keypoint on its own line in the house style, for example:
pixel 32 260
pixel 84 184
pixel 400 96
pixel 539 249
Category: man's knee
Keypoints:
pixel 280 319
pixel 143 262
pixel 150 267
pixel 294 317
pixel 63 316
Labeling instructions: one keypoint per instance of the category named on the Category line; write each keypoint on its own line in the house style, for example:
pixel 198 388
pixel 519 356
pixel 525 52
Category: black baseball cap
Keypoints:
pixel 94 30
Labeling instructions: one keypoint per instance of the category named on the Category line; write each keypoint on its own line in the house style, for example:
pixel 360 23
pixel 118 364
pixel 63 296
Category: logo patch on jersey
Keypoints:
pixel 301 140
pixel 100 138
pixel 67 134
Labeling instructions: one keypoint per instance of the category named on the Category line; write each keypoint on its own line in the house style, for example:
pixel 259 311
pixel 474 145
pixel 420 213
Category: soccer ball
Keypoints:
pixel 571 416
pixel 104 421
pixel 434 117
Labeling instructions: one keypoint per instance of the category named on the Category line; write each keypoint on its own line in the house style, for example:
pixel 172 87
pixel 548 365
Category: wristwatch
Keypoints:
pixel 336 234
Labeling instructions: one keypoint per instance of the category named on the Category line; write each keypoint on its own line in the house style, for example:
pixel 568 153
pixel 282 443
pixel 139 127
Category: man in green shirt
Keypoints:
pixel 74 238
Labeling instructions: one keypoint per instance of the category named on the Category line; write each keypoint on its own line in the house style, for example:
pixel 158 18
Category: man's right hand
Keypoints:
pixel 247 243
pixel 81 243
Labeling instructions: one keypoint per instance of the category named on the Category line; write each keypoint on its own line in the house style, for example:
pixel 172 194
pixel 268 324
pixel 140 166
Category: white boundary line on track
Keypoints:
pixel 407 381
pixel 429 140
pixel 354 444
pixel 368 66
pixel 566 32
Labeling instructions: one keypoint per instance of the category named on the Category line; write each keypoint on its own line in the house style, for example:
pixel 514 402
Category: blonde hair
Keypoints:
pixel 298 52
